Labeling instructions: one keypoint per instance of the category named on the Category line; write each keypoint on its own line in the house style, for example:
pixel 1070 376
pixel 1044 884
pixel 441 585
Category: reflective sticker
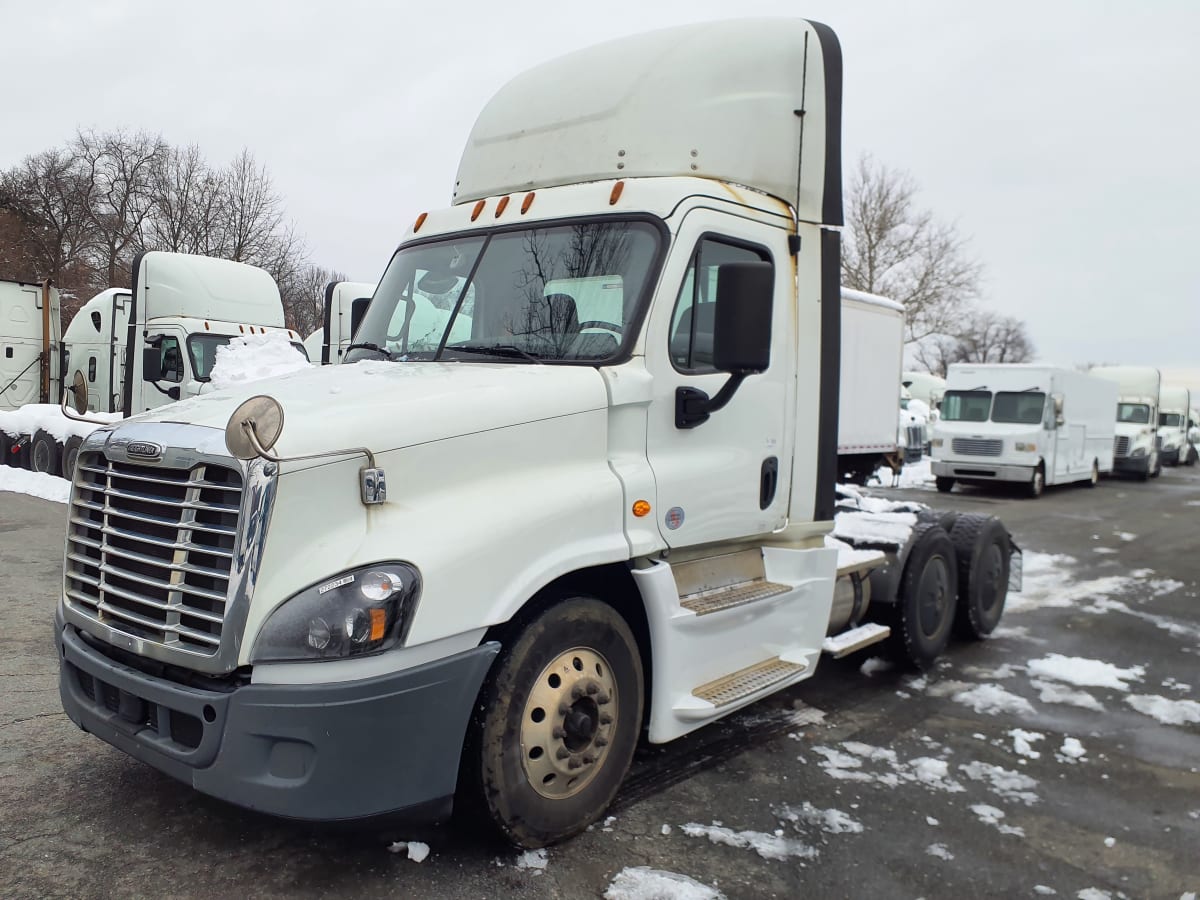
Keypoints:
pixel 333 584
pixel 674 517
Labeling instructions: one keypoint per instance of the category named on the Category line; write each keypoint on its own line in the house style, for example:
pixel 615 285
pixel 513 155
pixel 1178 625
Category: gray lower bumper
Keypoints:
pixel 1138 465
pixel 980 470
pixel 1169 457
pixel 382 746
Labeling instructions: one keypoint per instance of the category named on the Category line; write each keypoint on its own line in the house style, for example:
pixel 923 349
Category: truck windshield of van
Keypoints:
pixel 1024 408
pixel 966 406
pixel 1134 413
pixel 202 348
pixel 1170 420
pixel 561 293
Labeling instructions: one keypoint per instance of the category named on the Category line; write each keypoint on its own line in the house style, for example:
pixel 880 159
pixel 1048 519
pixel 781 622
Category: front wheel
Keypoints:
pixel 1037 484
pixel 1155 465
pixel 557 725
pixel 1095 476
pixel 945 484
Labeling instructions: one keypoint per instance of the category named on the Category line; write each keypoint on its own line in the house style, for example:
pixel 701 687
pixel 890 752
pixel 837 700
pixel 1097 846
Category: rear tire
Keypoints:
pixel 984 550
pixel 1037 484
pixel 7 457
pixel 70 453
pixel 45 453
pixel 923 615
pixel 945 484
pixel 1155 465
pixel 556 726
pixel 1095 477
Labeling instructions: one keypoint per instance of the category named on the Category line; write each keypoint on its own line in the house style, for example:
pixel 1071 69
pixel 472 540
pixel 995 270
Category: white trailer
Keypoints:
pixel 345 305
pixel 1136 445
pixel 588 501
pixel 30 344
pixel 869 384
pixel 1031 424
pixel 1174 408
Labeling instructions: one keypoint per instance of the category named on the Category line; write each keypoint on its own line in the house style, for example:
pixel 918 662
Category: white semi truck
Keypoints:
pixel 30 344
pixel 345 305
pixel 1030 424
pixel 1136 445
pixel 869 386
pixel 925 387
pixel 180 310
pixel 1175 404
pixel 488 558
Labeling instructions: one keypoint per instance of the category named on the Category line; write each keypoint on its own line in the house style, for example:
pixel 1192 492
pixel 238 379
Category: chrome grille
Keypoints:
pixel 977 446
pixel 150 549
pixel 1121 445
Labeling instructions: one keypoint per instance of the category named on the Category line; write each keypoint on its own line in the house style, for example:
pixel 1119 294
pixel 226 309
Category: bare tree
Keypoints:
pixel 982 337
pixel 303 297
pixel 187 211
pixel 894 248
pixel 252 211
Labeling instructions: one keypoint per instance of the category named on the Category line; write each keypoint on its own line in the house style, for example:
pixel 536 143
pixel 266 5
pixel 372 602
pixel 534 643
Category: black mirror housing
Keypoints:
pixel 742 318
pixel 151 364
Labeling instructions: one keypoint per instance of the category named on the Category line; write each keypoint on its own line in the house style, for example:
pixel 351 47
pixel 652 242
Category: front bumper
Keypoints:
pixel 980 470
pixel 1169 457
pixel 382 746
pixel 1138 465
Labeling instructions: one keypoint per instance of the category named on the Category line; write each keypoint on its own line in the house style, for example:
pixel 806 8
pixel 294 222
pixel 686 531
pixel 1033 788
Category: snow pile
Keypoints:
pixel 886 529
pixel 416 850
pixel 1070 751
pixel 991 699
pixel 768 846
pixel 989 815
pixel 940 851
pixel 848 766
pixel 831 821
pixel 1083 672
pixel 856 499
pixel 1023 742
pixel 1004 783
pixel 537 860
pixel 36 484
pixel 254 357
pixel 49 418
pixel 644 883
pixel 913 476
pixel 1051 692
pixel 1166 710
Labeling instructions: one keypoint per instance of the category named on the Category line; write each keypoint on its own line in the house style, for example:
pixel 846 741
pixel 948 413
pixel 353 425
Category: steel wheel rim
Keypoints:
pixel 934 595
pixel 41 458
pixel 568 722
pixel 1037 482
pixel 993 568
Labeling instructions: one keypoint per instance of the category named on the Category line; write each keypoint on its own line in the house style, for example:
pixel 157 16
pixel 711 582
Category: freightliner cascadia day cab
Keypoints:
pixel 1174 406
pixel 1030 424
pixel 924 387
pixel 345 305
pixel 484 558
pixel 869 384
pixel 1136 445
pixel 181 308
pixel 30 344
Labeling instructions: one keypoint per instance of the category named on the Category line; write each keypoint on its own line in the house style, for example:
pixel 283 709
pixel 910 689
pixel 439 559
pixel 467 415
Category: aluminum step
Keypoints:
pixel 702 603
pixel 847 642
pixel 750 680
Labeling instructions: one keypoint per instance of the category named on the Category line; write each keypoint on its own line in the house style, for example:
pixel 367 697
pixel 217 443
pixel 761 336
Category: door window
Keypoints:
pixel 691 339
pixel 172 359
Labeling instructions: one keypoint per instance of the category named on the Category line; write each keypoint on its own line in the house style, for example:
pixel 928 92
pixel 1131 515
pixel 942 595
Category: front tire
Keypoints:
pixel 1095 477
pixel 925 604
pixel 945 484
pixel 558 722
pixel 1037 484
pixel 1155 465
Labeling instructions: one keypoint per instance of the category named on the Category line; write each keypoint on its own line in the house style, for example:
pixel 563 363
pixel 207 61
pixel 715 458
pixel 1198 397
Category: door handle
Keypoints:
pixel 768 481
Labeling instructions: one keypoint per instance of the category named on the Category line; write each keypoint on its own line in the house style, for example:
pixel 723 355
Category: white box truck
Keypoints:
pixel 1030 424
pixel 345 304
pixel 1174 409
pixel 869 385
pixel 487 558
pixel 1136 445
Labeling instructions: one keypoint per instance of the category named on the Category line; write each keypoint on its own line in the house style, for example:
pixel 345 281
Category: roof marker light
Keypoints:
pixel 420 221
pixel 527 202
pixel 616 193
pixel 478 209
pixel 501 206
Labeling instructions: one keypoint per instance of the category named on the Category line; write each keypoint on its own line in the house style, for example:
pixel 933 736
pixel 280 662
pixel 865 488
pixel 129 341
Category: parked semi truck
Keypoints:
pixel 136 350
pixel 1030 424
pixel 869 387
pixel 345 305
pixel 924 387
pixel 488 558
pixel 1175 404
pixel 1136 445
pixel 30 344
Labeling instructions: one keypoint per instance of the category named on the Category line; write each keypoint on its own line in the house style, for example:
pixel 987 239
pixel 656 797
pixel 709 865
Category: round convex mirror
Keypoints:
pixel 264 415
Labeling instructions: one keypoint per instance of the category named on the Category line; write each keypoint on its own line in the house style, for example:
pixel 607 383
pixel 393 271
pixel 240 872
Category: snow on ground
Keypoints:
pixel 1004 783
pixel 768 846
pixel 36 484
pixel 1023 742
pixel 1166 710
pixel 537 860
pixel 254 357
pixel 940 851
pixel 992 699
pixel 1052 692
pixel 1083 672
pixel 831 821
pixel 1125 535
pixel 847 765
pixel 49 418
pixel 989 815
pixel 644 883
pixel 914 476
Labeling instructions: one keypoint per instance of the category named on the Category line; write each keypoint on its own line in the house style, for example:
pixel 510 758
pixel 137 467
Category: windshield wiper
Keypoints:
pixel 367 345
pixel 507 351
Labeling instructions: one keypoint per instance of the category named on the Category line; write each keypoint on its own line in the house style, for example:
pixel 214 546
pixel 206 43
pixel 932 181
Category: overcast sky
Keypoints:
pixel 1061 137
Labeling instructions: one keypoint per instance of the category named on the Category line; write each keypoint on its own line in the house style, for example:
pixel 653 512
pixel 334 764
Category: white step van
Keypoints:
pixel 586 501
pixel 1031 424
pixel 1136 445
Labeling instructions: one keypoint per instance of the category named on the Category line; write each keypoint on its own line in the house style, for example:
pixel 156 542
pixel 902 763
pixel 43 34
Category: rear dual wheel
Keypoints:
pixel 45 453
pixel 983 550
pixel 923 615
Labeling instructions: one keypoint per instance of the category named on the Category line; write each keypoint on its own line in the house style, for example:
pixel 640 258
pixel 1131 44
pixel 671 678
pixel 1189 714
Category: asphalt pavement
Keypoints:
pixel 992 776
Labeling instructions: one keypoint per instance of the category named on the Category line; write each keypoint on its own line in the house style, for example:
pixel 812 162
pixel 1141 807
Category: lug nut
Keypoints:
pixel 601 741
pixel 564 708
pixel 562 753
pixel 592 688
pixel 558 732
pixel 574 763
pixel 602 699
pixel 576 692
pixel 588 759
pixel 605 719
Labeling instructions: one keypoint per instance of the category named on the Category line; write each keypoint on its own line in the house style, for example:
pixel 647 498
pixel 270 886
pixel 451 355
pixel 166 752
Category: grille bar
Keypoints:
pixel 977 446
pixel 150 549
pixel 1121 445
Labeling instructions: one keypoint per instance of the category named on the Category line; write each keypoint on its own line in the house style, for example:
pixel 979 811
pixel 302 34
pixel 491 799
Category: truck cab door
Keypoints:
pixel 164 370
pixel 727 477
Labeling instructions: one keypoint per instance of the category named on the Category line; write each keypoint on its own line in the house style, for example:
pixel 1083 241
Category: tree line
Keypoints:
pixel 80 213
pixel 893 247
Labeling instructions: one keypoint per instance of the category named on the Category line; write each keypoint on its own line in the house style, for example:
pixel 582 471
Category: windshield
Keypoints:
pixel 1024 408
pixel 202 348
pixel 567 293
pixel 966 406
pixel 1136 413
pixel 1170 420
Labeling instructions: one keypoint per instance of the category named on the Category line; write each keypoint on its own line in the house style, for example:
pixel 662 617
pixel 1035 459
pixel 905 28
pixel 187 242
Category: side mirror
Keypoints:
pixel 151 364
pixel 1059 421
pixel 742 318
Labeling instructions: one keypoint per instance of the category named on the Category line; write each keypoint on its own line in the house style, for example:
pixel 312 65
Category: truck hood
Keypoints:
pixel 384 405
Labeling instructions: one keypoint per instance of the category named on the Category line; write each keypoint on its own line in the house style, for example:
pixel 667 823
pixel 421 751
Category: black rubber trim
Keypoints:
pixel 831 363
pixel 831 54
pixel 132 363
pixel 329 288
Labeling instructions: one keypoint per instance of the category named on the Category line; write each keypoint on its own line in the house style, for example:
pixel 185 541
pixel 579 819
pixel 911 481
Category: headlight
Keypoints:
pixel 935 442
pixel 1025 447
pixel 1138 451
pixel 361 611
